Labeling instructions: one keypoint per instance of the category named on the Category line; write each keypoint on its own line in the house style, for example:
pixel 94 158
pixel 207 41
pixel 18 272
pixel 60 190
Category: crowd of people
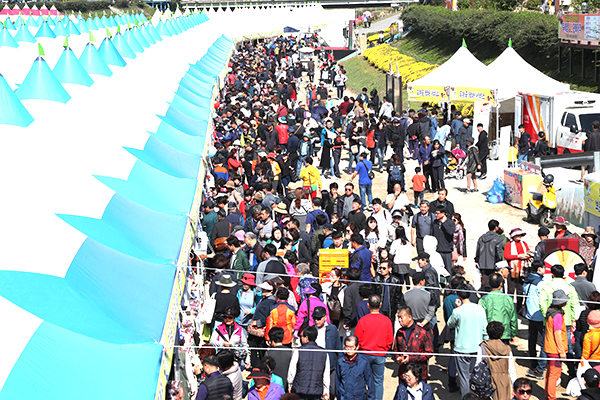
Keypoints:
pixel 301 334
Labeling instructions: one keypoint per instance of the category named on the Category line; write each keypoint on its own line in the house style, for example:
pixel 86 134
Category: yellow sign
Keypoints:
pixel 592 197
pixel 426 93
pixel 332 258
pixel 450 93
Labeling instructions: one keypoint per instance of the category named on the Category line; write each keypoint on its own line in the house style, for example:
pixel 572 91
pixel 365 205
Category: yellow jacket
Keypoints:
pixel 311 177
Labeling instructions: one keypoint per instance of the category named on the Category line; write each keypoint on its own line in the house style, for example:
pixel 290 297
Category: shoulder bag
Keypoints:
pixel 221 243
pixel 371 173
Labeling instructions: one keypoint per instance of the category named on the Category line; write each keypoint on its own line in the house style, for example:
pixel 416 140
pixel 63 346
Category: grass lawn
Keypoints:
pixel 362 74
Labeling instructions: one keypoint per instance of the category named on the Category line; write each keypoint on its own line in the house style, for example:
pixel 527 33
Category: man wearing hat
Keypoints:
pixel 561 223
pixel 464 132
pixel 234 217
pixel 210 217
pixel 591 391
pixel 516 252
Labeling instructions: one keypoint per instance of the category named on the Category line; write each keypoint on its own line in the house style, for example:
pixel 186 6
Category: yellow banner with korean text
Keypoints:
pixel 450 93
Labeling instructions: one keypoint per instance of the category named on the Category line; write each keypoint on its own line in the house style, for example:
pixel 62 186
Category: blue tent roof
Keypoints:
pixel 45 31
pixel 23 35
pixel 102 326
pixel 12 111
pixel 93 63
pixel 109 53
pixel 68 69
pixel 122 47
pixel 40 83
pixel 6 39
pixel 132 42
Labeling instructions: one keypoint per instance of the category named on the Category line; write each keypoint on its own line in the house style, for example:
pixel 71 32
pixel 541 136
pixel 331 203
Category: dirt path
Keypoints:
pixel 475 212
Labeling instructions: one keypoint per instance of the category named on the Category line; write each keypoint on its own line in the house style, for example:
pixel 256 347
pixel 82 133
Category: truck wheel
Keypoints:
pixel 547 219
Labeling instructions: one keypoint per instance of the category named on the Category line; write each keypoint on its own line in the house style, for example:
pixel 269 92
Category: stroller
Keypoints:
pixel 457 164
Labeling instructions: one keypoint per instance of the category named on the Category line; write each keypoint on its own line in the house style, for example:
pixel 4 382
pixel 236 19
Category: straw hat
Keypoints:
pixel 281 208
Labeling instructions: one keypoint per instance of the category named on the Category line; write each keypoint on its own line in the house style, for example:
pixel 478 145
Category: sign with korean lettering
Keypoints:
pixel 451 93
pixel 426 93
pixel 332 258
pixel 580 27
pixel 592 196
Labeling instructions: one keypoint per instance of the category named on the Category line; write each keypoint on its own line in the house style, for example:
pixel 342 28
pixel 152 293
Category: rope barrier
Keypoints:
pixel 388 353
pixel 385 283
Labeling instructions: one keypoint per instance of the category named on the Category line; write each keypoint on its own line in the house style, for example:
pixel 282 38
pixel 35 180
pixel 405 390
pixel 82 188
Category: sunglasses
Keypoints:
pixel 228 317
pixel 523 391
pixel 348 190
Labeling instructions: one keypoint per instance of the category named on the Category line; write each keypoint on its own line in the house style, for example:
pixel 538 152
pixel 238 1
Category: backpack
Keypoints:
pixel 396 174
pixel 335 308
pixel 304 148
pixel 481 381
pixel 424 129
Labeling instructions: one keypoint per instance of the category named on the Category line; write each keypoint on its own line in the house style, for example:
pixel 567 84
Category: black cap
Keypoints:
pixel 328 226
pixel 232 205
pixel 543 231
pixel 208 204
pixel 319 312
pixel 222 213
pixel 591 377
pixel 423 256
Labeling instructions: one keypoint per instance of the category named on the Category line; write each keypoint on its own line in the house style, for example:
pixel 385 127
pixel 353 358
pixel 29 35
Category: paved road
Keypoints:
pixel 380 25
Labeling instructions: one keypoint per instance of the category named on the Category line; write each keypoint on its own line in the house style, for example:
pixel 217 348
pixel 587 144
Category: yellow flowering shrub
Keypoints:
pixel 410 69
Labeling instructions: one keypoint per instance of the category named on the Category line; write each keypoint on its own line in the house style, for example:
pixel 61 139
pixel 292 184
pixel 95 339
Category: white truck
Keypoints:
pixel 564 117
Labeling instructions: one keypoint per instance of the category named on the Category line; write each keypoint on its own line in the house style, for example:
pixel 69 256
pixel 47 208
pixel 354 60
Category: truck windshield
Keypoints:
pixel 586 120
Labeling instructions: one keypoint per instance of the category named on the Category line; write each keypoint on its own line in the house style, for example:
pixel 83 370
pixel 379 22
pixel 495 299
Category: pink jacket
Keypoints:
pixel 303 313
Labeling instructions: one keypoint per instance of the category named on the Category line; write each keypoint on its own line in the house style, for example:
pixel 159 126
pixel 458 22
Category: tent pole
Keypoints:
pixel 497 121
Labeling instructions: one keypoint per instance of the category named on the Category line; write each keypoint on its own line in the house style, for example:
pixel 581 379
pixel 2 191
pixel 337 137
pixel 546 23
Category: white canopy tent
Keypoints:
pixel 463 69
pixel 512 74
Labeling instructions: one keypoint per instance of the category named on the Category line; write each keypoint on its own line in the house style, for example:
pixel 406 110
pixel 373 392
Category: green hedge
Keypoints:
pixel 532 33
pixel 88 6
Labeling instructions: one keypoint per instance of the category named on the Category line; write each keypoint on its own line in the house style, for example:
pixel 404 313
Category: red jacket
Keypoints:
pixel 419 341
pixel 282 131
pixel 375 333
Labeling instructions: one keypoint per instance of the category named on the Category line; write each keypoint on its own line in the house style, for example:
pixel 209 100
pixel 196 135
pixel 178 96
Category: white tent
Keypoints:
pixel 463 69
pixel 512 74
